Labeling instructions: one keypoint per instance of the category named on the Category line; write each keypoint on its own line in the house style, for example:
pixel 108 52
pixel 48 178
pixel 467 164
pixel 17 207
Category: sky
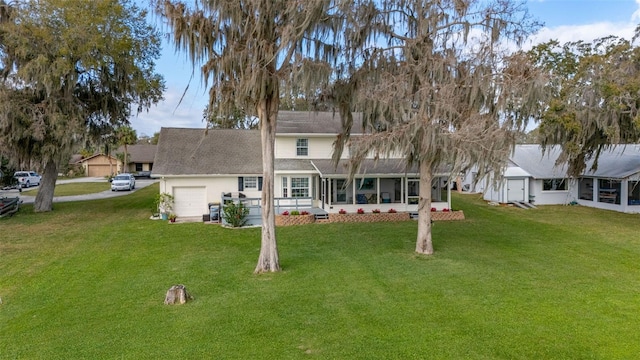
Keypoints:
pixel 563 20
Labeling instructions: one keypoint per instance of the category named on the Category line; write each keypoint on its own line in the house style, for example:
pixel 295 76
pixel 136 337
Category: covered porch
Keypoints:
pixel 384 185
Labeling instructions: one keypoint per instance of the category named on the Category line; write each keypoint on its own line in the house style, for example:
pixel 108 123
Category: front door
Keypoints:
pixel 515 190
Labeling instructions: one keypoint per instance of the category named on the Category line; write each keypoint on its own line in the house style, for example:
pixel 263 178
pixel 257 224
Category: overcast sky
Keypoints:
pixel 564 20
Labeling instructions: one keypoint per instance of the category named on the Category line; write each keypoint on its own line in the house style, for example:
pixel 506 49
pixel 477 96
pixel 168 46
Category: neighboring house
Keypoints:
pixel 198 167
pixel 99 165
pixel 139 158
pixel 532 176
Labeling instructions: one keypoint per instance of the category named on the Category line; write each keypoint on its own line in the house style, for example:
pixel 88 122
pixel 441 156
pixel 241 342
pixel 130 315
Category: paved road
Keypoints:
pixel 140 183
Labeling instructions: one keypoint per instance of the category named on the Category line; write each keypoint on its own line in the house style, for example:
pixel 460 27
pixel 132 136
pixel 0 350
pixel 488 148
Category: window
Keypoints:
pixel 138 166
pixel 300 187
pixel 634 193
pixel 585 189
pixel 285 192
pixel 609 191
pixel 554 185
pixel 302 147
pixel 251 182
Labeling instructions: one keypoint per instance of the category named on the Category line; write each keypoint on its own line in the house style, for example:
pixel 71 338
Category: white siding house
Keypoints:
pixel 534 176
pixel 198 167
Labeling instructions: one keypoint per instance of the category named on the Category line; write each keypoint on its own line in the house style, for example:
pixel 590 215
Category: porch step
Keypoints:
pixel 324 216
pixel 524 205
pixel 413 214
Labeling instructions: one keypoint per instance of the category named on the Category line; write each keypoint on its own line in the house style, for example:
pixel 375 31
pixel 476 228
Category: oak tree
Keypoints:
pixel 71 70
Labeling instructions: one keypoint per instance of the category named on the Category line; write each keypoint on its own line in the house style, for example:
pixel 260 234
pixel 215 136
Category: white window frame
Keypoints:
pixel 296 188
pixel 302 147
pixel 250 182
pixel 285 188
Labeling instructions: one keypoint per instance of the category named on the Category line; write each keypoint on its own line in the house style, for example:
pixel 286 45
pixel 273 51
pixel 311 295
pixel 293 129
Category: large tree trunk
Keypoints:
pixel 423 242
pixel 44 199
pixel 268 260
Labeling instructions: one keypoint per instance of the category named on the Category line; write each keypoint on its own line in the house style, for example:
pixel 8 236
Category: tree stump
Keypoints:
pixel 177 294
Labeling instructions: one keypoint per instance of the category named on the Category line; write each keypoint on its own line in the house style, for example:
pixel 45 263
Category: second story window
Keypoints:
pixel 302 147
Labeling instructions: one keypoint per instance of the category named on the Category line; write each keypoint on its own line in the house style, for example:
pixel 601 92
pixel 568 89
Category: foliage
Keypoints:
pixel 247 50
pixel 303 212
pixel 235 214
pixel 526 285
pixel 164 202
pixel 376 211
pixel 342 211
pixel 592 100
pixel 360 211
pixel 295 212
pixel 437 85
pixel 285 213
pixel 72 71
pixel 392 211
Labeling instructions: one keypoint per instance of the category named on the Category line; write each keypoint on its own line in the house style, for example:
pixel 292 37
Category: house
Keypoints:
pixel 139 158
pixel 533 176
pixel 99 165
pixel 197 167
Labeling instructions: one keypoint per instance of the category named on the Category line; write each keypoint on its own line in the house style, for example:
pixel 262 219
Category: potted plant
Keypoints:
pixel 172 217
pixel 164 202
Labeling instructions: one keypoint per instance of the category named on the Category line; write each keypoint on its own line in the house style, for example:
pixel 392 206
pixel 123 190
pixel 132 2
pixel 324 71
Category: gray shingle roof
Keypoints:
pixel 616 163
pixel 220 151
pixel 303 122
pixel 382 167
pixel 140 153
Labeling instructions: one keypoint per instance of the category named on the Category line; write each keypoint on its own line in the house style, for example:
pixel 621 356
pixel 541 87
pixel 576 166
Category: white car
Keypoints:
pixel 123 182
pixel 27 178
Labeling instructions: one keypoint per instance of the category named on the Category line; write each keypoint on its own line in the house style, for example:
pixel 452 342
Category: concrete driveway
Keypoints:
pixel 140 183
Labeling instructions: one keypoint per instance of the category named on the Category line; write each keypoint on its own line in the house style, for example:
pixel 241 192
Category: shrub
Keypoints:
pixel 295 212
pixel 433 209
pixel 342 211
pixel 361 211
pixel 392 211
pixel 376 211
pixel 304 213
pixel 285 213
pixel 445 210
pixel 235 214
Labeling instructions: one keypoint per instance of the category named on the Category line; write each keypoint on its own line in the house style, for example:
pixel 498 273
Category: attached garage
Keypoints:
pixel 190 201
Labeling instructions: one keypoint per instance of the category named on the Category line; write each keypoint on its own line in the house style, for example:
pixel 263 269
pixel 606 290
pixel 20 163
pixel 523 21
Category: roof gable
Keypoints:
pixel 208 152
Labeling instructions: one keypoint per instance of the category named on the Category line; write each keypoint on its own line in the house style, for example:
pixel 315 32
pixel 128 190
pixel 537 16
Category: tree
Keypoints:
pixel 72 70
pixel 437 87
pixel 237 119
pixel 126 136
pixel 248 49
pixel 593 100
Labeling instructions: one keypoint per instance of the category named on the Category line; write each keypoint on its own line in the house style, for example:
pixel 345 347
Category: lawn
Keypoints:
pixel 88 281
pixel 78 188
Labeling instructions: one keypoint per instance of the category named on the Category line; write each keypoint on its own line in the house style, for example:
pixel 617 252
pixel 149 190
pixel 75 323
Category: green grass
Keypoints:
pixel 80 188
pixel 88 280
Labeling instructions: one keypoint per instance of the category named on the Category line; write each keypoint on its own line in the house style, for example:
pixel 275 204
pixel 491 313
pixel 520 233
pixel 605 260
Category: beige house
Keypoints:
pixel 99 165
pixel 139 158
pixel 198 167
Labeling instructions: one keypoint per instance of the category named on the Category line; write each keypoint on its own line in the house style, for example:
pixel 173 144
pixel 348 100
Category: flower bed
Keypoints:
pixel 447 215
pixel 288 220
pixel 369 217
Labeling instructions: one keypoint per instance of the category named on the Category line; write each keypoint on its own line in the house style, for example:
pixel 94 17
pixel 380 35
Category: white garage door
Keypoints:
pixel 190 201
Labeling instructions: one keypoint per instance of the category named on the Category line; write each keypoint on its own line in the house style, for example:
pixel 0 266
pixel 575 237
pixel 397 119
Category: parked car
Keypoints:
pixel 123 182
pixel 27 178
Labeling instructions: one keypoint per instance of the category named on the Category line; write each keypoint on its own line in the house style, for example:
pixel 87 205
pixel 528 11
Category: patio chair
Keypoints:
pixel 361 199
pixel 385 198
